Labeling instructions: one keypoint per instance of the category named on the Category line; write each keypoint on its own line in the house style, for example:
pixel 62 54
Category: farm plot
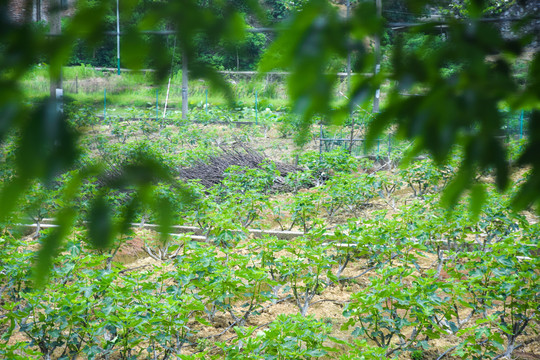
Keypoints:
pixel 378 270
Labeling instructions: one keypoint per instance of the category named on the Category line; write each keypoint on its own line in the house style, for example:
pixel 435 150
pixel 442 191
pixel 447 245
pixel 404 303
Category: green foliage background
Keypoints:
pixel 459 107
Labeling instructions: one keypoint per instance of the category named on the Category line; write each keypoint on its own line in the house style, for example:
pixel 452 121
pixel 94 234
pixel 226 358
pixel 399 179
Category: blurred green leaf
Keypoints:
pixel 100 223
pixel 477 198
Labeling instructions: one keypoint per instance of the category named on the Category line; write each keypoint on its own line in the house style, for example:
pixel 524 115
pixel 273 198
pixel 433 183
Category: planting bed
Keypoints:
pixel 378 270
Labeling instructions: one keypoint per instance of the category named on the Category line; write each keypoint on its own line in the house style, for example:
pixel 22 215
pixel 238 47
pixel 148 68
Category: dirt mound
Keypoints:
pixel 211 171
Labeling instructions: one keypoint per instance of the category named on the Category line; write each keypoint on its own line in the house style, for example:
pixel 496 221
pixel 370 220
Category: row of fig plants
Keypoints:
pixel 344 191
pixel 130 124
pixel 483 295
pixel 386 242
pixel 87 309
pixel 245 194
pixel 480 291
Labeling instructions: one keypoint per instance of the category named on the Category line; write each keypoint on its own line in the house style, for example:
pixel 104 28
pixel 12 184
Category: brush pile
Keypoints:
pixel 211 171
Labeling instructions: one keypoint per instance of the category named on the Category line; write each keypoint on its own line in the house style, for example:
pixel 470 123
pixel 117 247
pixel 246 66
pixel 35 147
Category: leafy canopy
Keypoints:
pixel 460 109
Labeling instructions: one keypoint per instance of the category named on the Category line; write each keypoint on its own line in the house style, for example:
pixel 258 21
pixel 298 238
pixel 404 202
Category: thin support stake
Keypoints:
pixel 349 84
pixel 118 35
pixel 185 85
pixel 104 104
pixel 167 98
pixel 157 107
pixel 320 141
pixel 256 109
pixel 170 76
pixel 389 145
pixel 206 101
pixel 376 99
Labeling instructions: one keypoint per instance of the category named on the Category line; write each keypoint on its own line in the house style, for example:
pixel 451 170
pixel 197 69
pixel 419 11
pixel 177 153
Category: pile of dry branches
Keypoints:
pixel 211 171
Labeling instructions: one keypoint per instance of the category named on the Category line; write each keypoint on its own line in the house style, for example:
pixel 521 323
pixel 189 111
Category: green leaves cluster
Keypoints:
pixel 482 291
pixel 445 110
pixel 288 337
